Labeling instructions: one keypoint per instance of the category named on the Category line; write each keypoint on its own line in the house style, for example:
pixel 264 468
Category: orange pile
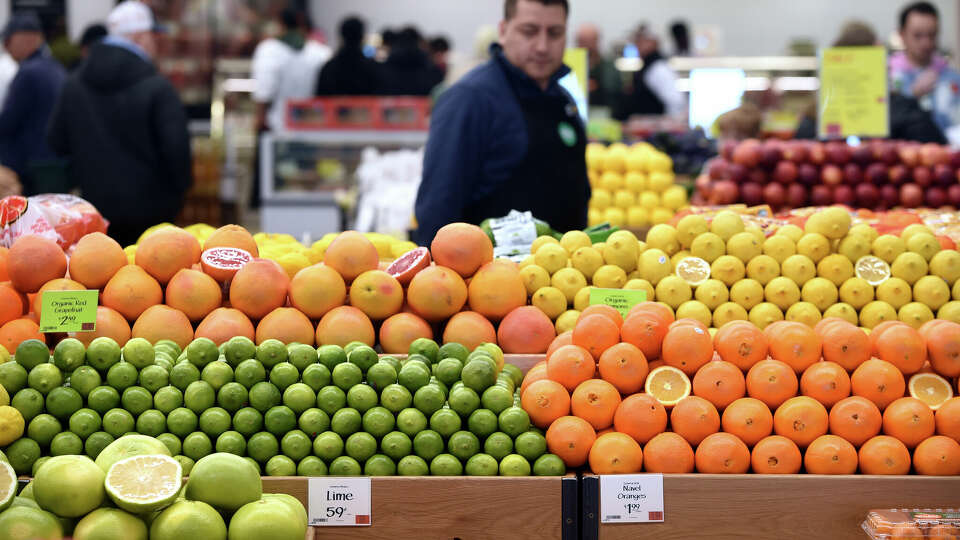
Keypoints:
pixel 650 393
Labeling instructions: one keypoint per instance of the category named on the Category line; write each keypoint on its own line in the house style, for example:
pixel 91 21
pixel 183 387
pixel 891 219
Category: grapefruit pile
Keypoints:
pixel 650 393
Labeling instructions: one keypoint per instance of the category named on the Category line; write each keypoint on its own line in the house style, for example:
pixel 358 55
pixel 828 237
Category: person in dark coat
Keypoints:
pixel 124 130
pixel 350 72
pixel 408 70
pixel 27 107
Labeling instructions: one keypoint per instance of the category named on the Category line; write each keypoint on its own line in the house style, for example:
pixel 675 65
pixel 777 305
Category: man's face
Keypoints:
pixel 20 45
pixel 588 38
pixel 920 37
pixel 534 39
pixel 147 41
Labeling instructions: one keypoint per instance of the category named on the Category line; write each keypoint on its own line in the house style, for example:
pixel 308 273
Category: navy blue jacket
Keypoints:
pixel 26 111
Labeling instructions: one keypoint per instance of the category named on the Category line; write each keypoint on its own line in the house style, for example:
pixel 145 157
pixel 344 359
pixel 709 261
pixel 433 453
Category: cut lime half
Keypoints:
pixel 8 485
pixel 872 269
pixel 141 484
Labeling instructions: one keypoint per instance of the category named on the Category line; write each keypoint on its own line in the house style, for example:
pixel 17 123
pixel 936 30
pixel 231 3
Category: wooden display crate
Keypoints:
pixel 460 507
pixel 789 507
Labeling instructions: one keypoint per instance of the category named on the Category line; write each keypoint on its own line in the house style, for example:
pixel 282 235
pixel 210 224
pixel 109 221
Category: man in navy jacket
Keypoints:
pixel 507 136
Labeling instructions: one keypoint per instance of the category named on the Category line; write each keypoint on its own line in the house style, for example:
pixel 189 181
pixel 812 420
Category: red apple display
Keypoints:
pixel 868 195
pixel 852 174
pixel 751 194
pixel 785 172
pixel 821 195
pixel 831 175
pixel 876 173
pixel 953 195
pixel 843 194
pixel 808 174
pixel 911 196
pixel 889 196
pixel 796 196
pixel 838 153
pixel 774 195
pixel 922 176
pixel 935 197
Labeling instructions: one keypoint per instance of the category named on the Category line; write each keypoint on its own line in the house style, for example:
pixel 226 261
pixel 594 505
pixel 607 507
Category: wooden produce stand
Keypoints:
pixel 789 507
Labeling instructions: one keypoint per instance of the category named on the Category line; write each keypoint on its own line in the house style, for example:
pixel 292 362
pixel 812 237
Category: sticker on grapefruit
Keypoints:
pixel 408 265
pixel 221 263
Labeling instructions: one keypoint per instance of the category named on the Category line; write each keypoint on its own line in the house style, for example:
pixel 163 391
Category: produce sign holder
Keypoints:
pixel 392 113
pixel 787 507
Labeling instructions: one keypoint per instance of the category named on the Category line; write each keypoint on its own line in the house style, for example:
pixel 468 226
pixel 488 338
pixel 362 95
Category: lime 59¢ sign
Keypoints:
pixel 339 501
pixel 68 311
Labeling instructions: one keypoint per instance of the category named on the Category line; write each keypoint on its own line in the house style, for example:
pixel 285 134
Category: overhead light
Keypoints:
pixel 628 64
pixel 240 85
pixel 762 84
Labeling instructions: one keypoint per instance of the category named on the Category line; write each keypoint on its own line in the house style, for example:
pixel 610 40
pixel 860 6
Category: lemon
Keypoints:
pixel 711 293
pixel 11 425
pixel 945 265
pixel 131 253
pixel 689 228
pixel 648 200
pixel 679 256
pixel 924 244
pixel 931 291
pixel 887 247
pixel 728 312
pixel 637 217
pixel 726 224
pixel 582 300
pixel 779 246
pixel 909 266
pixel 673 291
pixel 551 257
pixel 660 181
pixel 594 217
pixel 956 290
pixel 865 230
pixel 693 270
pixel 540 241
pixel 611 181
pixel 654 265
pixel 856 292
pixel 764 314
pixel 262 238
pixel 636 181
pixel 624 199
pixel 692 309
pixel 854 246
pixel 757 233
pixel 615 216
pixel 609 276
pixel 601 199
pixel 293 263
pixel 915 314
pixel 950 311
pixel 912 229
pixel 843 311
pixel 747 293
pixel 836 268
pixel 799 269
pixel 154 229
pixel 397 249
pixel 744 246
pixel 875 313
pixel 833 223
pixel 791 231
pixel 569 281
pixel 595 153
pixel 708 246
pixel 895 292
pixel 814 245
pixel 638 159
pixel 383 243
pixel 621 250
pixel 728 269
pixel 550 300
pixel 587 260
pixel 4 355
pixel 674 198
pixel 820 292
pixel 664 238
pixel 782 292
pixel 641 285
pixel 763 268
pixel 574 240
pixel 803 312
pixel 661 216
pixel 534 278
pixel 527 261
pixel 4 396
pixel 566 321
pixel 930 388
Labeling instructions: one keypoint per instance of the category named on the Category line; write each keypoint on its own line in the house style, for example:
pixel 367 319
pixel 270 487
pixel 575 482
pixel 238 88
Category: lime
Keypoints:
pixel 44 378
pixel 394 363
pixel 301 355
pixel 379 465
pixel 463 445
pixel 378 421
pixel 362 397
pixel 29 402
pixel 169 346
pixel 296 445
pixel 428 444
pixel 448 370
pixel 84 379
pixel 264 395
pixel 347 375
pixel 217 374
pixel 31 353
pixel 136 399
pixel 283 375
pixel 453 350
pixel 152 378
pixel 96 442
pixel 86 422
pixel 25 522
pixel 225 481
pixel 411 421
pixel 514 465
pixel 183 374
pixel 498 445
pixel 497 399
pixel 413 376
pixel 164 362
pixel 381 375
pixel 172 442
pixel 549 465
pixel 346 422
pixel 412 466
pixel 250 372
pixel 63 401
pixel 345 466
pixel 395 398
pixel 279 420
pixel 43 428
pixel 181 422
pixel 446 465
pixel 231 396
pixel 311 466
pixel 186 463
pixel 246 421
pixel 331 355
pixel 531 445
pixel 328 446
pixel 445 422
pixel 232 442
pixel 197 445
pixel 396 445
pixel 69 354
pixel 214 421
pixel 330 399
pixel 464 401
pixel 66 444
pixel 360 446
pixel 13 377
pixel 481 465
pixel 316 376
pixel 313 422
pixel 167 399
pixel 103 398
pixel 514 373
pixel 514 421
pixel 139 352
pixel 22 453
pixel 271 352
pixel 427 347
pixel 122 375
pixel 478 375
pixel 39 463
pixel 151 422
pixel 419 359
pixel 436 382
pixel 353 345
pixel 280 466
pixel 102 353
pixel 239 349
pixel 299 397
pixel 429 399
pixel 202 351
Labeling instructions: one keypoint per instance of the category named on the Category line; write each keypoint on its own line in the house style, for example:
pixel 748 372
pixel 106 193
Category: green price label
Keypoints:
pixel 620 299
pixel 68 311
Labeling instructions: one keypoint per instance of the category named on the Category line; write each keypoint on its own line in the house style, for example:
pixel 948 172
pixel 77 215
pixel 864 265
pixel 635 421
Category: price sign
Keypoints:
pixel 631 498
pixel 68 311
pixel 339 502
pixel 620 299
pixel 853 97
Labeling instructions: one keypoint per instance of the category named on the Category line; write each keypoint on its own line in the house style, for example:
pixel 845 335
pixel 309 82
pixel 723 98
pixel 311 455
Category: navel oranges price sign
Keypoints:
pixel 68 311
pixel 620 299
pixel 631 498
pixel 339 502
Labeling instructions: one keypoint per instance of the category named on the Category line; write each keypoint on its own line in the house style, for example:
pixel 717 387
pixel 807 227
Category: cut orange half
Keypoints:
pixel 930 388
pixel 668 385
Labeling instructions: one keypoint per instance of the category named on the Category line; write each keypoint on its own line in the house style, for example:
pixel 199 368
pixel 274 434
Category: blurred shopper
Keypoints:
pixel 350 72
pixel 654 84
pixel 91 35
pixel 408 70
pixel 439 48
pixel 604 84
pixel 8 70
pixel 507 135
pixel 27 107
pixel 123 128
pixel 921 72
pixel 680 33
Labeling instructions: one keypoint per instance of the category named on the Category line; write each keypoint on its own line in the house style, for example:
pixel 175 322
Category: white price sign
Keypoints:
pixel 631 498
pixel 339 502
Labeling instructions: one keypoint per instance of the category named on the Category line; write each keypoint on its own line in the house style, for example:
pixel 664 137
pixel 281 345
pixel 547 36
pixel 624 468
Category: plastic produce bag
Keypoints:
pixel 60 217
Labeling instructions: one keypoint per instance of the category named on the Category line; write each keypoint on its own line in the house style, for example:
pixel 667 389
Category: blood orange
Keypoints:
pixel 221 263
pixel 407 266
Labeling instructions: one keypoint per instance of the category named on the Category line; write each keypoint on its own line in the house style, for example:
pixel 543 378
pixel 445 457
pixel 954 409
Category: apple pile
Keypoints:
pixel 877 174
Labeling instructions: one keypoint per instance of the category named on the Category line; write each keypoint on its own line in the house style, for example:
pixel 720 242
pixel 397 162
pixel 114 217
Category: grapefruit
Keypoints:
pixel 33 261
pixel 407 266
pixel 222 263
pixel 463 247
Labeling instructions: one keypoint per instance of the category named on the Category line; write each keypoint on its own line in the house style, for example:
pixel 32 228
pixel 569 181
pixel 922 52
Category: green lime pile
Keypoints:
pixel 286 409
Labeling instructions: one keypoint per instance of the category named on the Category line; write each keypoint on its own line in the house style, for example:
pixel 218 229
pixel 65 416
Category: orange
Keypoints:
pixel 668 385
pixel 909 420
pixel 17 331
pixel 794 343
pixel 223 323
pixel 163 322
pixel 536 373
pixel 624 366
pixel 694 418
pixel 402 329
pixel 606 311
pixel 4 255
pixel 661 311
pixel 878 331
pixel 937 456
pixel 948 419
pixel 33 261
pixel 845 344
pixel 879 381
pixel 772 382
pixel 902 346
pixel 943 346
pixel 469 329
pixel 259 288
pixel 856 419
pixel 11 304
pixel 571 438
pixel 110 323
pixel 345 324
pixel 826 382
pixel 596 401
pixel 131 291
pixel 668 453
pixel 801 419
pixel 436 293
pixel 545 401
pixel 829 454
pixel 496 289
pixel 525 330
pixel 748 418
pixel 570 365
pixel 566 338
pixel 616 453
pixel 722 453
pixel 884 455
pixel 645 330
pixel 317 289
pixel 776 455
pixel 287 325
pixel 233 236
pixel 166 251
pixel 95 259
pixel 687 346
pixel 59 284
pixel 194 293
pixel 741 343
pixel 463 247
pixel 641 417
pixel 351 254
pixel 376 293
pixel 720 383
pixel 596 333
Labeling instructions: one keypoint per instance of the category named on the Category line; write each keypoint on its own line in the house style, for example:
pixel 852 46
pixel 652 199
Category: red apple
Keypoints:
pixel 831 175
pixel 944 174
pixel 953 195
pixel 932 154
pixel 876 173
pixel 774 194
pixel 796 196
pixel 736 172
pixel 955 159
pixel 747 153
pixel 757 176
pixel 922 176
pixel 718 169
pixel 816 153
pixel 911 195
pixel 868 195
pixel 770 154
pixel 785 172
pixel 889 196
pixel 909 154
pixel 884 151
pixel 752 194
pixel 898 174
pixel 795 151
pixel 726 149
pixel 704 185
pixel 852 174
pixel 844 195
pixel 821 195
pixel 936 197
pixel 838 152
pixel 724 192
pixel 861 155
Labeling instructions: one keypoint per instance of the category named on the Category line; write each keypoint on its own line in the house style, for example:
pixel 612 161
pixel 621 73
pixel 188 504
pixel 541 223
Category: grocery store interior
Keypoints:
pixel 296 269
